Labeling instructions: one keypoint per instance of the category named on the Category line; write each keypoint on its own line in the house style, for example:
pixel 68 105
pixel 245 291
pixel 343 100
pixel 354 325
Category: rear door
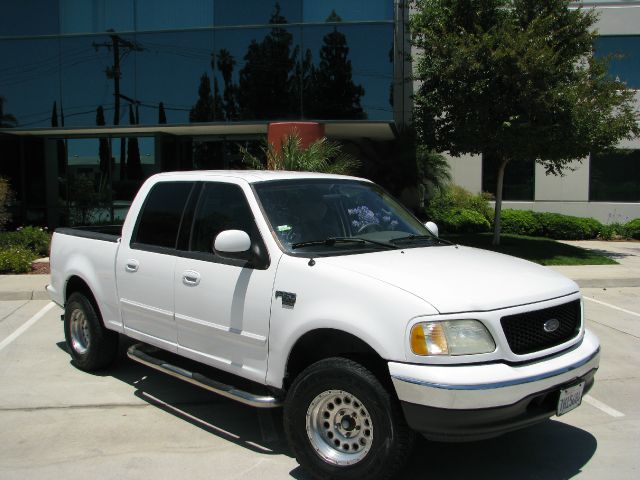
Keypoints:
pixel 222 306
pixel 145 266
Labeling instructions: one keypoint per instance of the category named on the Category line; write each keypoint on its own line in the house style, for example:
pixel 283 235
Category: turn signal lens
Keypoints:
pixel 429 339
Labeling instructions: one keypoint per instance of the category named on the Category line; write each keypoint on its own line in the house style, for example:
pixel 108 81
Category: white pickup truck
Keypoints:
pixel 321 294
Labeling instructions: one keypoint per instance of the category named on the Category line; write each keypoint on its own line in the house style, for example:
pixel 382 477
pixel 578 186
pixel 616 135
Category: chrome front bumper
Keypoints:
pixel 471 387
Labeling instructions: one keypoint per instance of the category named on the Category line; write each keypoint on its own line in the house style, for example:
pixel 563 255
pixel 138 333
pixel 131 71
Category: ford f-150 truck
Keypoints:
pixel 323 295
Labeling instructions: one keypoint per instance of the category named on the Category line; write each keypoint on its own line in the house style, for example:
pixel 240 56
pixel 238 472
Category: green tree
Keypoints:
pixel 515 80
pixel 6 119
pixel 321 155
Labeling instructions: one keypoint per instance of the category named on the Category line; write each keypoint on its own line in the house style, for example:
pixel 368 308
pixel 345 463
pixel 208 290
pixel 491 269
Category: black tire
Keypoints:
pixel 340 379
pixel 90 344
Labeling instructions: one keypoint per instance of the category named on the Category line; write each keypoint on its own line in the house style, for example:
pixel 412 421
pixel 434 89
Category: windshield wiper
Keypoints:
pixel 333 240
pixel 411 237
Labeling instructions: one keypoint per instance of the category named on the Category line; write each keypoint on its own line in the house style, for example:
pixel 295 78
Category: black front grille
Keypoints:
pixel 526 332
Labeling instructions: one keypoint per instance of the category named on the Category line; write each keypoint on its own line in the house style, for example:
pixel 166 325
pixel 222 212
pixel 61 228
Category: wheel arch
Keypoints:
pixel 318 344
pixel 74 284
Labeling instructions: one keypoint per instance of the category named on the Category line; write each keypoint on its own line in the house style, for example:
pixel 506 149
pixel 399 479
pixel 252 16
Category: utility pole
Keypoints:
pixel 114 72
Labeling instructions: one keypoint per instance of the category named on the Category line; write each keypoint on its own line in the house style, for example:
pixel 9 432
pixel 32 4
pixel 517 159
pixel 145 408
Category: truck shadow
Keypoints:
pixel 551 450
pixel 259 430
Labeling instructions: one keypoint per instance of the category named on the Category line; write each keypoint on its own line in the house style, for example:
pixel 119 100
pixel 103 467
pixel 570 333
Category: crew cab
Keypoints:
pixel 323 295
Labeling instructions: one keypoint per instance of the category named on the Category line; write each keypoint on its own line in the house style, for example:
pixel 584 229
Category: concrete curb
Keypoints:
pixel 24 295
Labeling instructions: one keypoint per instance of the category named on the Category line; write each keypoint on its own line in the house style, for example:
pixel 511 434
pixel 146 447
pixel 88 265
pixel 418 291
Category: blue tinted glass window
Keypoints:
pixel 257 12
pixel 627 66
pixel 348 72
pixel 169 14
pixel 347 10
pixel 170 70
pixel 86 16
pixel 88 79
pixel 29 17
pixel 29 83
pixel 257 71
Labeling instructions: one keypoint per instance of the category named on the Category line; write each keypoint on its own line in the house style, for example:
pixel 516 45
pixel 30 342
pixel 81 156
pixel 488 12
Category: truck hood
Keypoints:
pixel 459 279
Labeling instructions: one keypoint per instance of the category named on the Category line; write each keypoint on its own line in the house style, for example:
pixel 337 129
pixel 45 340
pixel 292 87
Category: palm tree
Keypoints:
pixel 6 119
pixel 320 156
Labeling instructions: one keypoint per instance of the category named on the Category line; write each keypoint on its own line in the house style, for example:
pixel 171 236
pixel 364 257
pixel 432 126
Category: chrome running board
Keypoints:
pixel 141 353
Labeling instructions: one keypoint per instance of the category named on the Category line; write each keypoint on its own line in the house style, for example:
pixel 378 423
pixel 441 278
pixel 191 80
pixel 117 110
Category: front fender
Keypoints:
pixel 326 297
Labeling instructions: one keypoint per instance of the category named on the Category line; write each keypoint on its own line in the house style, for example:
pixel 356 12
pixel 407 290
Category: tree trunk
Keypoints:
pixel 500 182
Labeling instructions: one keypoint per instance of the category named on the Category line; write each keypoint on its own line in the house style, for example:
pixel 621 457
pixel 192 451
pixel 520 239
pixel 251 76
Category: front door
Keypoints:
pixel 222 306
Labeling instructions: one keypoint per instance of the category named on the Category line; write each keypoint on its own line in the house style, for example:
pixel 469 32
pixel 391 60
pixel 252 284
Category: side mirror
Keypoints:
pixel 232 241
pixel 433 228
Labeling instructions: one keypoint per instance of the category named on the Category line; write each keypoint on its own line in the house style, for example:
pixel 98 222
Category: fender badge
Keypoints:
pixel 288 299
pixel 551 325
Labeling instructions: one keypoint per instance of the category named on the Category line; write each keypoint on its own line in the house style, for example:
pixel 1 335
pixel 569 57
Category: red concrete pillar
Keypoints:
pixel 307 131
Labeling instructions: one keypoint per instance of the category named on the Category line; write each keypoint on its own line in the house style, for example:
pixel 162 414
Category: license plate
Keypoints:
pixel 570 398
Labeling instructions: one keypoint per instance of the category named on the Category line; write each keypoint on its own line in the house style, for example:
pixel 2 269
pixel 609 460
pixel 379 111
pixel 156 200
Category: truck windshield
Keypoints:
pixel 337 216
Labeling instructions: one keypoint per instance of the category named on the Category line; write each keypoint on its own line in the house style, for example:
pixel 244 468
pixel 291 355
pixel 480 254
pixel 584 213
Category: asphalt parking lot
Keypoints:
pixel 131 422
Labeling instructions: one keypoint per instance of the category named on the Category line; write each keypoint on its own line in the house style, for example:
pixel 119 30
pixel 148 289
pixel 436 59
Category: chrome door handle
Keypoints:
pixel 191 278
pixel 132 265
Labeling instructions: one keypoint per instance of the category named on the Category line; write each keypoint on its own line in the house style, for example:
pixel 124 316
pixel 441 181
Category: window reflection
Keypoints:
pixel 169 67
pixel 29 82
pixel 348 72
pixel 257 12
pixel 29 17
pixel 256 72
pixel 347 10
pixel 89 16
pixel 90 78
pixel 167 14
pixel 625 63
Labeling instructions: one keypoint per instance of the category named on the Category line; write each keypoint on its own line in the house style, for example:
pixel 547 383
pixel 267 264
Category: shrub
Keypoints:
pixel 521 222
pixel 567 227
pixel 462 220
pixel 613 231
pixel 633 228
pixel 16 260
pixel 453 197
pixel 32 238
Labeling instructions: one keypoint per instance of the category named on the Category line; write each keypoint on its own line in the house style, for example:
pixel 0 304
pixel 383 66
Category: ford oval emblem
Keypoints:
pixel 551 325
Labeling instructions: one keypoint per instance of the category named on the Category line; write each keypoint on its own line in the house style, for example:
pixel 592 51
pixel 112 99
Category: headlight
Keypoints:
pixel 451 337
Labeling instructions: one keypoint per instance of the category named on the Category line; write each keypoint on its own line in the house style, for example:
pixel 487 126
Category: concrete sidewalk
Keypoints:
pixel 626 274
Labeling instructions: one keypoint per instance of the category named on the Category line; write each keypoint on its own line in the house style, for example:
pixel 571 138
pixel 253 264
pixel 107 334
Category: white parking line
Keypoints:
pixel 612 306
pixel 25 326
pixel 602 406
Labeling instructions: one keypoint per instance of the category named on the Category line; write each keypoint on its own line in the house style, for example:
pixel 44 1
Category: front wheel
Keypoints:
pixel 90 344
pixel 342 423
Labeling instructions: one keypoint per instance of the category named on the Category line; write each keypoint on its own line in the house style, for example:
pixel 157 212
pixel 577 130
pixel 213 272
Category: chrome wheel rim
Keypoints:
pixel 339 427
pixel 80 334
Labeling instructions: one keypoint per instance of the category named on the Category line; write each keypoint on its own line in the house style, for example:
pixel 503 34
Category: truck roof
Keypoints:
pixel 252 176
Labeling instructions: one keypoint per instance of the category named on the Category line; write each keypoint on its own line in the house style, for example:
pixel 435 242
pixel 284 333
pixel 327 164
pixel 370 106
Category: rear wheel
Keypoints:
pixel 90 344
pixel 342 423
